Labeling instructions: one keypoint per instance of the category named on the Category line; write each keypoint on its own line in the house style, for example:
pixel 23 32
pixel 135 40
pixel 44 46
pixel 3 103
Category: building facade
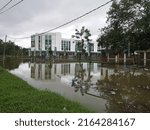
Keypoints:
pixel 45 44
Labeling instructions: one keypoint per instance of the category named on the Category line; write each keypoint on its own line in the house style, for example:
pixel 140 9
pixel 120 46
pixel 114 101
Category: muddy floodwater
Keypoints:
pixel 100 88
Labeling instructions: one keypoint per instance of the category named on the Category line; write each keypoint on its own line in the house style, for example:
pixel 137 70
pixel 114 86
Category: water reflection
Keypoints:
pixel 12 63
pixel 79 82
pixel 41 71
pixel 126 91
pixel 80 76
pixel 100 88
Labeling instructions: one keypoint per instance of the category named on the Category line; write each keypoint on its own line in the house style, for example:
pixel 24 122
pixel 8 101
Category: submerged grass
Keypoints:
pixel 16 96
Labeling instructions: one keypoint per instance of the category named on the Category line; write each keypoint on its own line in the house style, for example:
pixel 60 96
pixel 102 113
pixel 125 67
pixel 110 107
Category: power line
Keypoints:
pixel 5 5
pixel 75 19
pixel 11 7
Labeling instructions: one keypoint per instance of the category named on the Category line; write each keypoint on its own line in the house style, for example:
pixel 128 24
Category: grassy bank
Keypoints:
pixel 17 96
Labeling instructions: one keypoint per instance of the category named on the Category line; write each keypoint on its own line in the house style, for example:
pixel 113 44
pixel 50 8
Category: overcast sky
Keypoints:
pixel 35 16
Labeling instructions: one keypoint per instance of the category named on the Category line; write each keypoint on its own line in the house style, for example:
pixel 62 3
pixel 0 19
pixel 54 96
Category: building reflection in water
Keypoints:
pixel 125 90
pixel 41 71
pixel 65 69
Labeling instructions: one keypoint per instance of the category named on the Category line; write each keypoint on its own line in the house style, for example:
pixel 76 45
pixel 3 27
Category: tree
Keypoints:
pixel 12 49
pixel 88 40
pixel 111 36
pixel 142 26
pixel 82 38
pixel 127 27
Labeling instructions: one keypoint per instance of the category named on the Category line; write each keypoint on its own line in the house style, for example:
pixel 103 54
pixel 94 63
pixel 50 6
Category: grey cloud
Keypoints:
pixel 32 16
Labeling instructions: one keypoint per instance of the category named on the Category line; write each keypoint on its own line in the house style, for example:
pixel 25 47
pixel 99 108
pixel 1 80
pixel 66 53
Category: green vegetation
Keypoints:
pixel 128 27
pixel 81 38
pixel 17 96
pixel 11 49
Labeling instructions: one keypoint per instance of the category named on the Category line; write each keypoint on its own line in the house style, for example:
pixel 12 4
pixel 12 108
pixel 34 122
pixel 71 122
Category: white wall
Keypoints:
pixel 36 42
pixel 56 42
pixel 95 46
pixel 43 43
pixel 72 45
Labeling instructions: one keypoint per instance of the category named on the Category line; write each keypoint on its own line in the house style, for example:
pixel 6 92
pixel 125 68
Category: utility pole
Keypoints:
pixel 128 1
pixel 4 48
pixel 129 49
pixel 14 49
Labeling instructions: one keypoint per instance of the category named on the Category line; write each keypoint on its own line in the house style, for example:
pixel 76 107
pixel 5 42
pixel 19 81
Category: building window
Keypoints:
pixel 39 44
pixel 65 45
pixel 32 41
pixel 69 45
pixel 48 41
pixel 62 45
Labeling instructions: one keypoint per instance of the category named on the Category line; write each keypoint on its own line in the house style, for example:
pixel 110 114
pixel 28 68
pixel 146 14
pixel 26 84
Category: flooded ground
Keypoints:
pixel 100 88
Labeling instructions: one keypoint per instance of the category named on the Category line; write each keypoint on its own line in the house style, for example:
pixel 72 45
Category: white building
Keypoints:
pixel 42 44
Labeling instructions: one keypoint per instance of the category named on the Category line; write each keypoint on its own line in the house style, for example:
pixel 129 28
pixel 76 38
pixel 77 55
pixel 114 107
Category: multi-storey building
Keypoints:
pixel 43 44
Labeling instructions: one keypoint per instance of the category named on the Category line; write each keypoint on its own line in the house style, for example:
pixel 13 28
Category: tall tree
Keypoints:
pixel 128 26
pixel 111 35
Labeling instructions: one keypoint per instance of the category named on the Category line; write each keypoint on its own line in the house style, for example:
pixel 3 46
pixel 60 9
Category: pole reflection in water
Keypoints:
pixel 100 88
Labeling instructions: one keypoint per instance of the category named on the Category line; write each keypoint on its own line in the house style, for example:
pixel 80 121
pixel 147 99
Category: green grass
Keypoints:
pixel 16 96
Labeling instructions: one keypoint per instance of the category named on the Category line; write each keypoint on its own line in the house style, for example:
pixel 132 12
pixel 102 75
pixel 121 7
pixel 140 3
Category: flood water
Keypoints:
pixel 98 87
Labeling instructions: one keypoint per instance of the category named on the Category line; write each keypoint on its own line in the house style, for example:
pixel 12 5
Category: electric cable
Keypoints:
pixel 75 19
pixel 11 7
pixel 5 5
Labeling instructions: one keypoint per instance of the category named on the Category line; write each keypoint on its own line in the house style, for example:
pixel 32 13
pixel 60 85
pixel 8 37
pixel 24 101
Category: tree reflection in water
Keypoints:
pixel 79 82
pixel 12 63
pixel 126 92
